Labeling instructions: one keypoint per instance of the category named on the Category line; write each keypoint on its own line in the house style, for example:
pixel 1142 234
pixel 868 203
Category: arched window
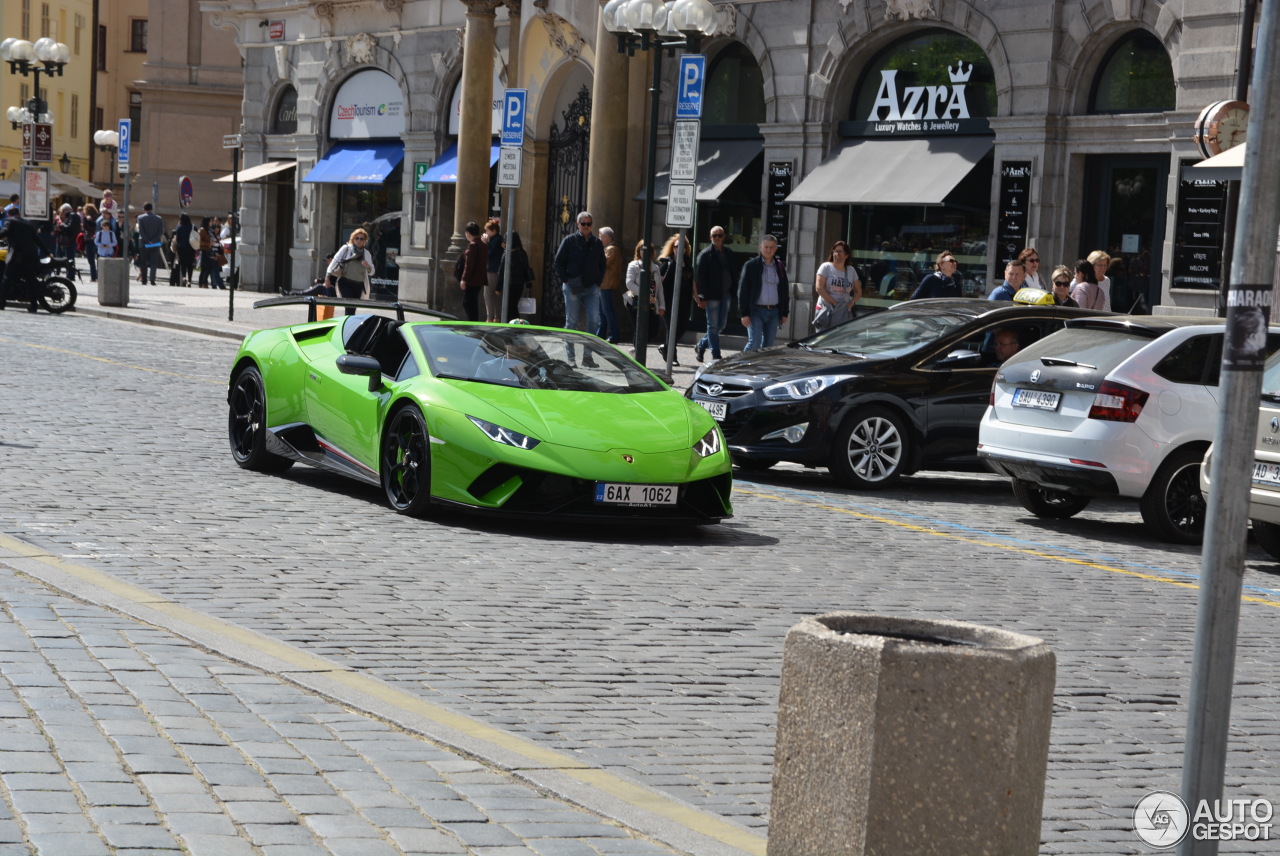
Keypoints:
pixel 934 58
pixel 1135 77
pixel 735 89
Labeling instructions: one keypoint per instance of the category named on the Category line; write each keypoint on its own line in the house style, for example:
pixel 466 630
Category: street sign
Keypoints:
pixel 509 166
pixel 231 141
pixel 513 104
pixel 680 204
pixel 420 175
pixel 34 199
pixel 186 192
pixel 27 132
pixel 42 142
pixel 125 130
pixel 693 73
pixel 684 150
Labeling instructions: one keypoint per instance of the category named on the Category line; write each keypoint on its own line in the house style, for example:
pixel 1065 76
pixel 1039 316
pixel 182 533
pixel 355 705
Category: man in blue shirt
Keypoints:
pixel 1015 274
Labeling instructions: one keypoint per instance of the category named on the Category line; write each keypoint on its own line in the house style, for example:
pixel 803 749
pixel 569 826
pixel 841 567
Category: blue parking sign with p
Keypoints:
pixel 124 128
pixel 513 116
pixel 693 73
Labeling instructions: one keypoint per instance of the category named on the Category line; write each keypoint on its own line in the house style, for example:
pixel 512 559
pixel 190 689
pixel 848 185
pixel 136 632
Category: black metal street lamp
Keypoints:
pixel 660 27
pixel 64 163
pixel 45 56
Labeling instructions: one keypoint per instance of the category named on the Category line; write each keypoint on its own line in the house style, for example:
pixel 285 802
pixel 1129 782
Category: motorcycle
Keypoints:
pixel 54 292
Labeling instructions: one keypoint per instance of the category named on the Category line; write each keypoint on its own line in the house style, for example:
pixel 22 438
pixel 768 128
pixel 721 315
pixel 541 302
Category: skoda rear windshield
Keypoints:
pixel 891 333
pixel 530 358
pixel 1101 348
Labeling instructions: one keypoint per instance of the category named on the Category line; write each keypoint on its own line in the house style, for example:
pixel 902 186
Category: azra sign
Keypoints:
pixel 922 102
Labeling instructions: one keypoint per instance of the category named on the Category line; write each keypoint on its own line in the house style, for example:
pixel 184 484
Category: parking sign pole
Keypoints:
pixel 1243 354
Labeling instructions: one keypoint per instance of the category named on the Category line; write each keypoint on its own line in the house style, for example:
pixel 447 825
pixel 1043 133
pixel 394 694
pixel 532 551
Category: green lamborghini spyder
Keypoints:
pixel 512 419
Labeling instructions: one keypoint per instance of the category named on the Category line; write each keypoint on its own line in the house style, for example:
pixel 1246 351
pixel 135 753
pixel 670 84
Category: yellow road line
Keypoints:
pixel 112 362
pixel 979 542
pixel 537 756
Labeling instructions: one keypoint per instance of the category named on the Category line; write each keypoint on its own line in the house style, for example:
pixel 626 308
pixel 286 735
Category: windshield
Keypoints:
pixel 530 358
pixel 888 334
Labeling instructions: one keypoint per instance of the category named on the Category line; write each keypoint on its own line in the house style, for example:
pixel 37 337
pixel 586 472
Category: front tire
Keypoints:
pixel 247 424
pixel 58 294
pixel 870 449
pixel 1044 502
pixel 406 462
pixel 1268 537
pixel 1173 507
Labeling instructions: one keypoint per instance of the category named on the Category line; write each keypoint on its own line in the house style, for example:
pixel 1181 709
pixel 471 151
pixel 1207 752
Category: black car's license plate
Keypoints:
pixel 717 409
pixel 639 495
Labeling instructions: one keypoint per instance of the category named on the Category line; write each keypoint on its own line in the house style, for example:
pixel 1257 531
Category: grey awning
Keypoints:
pixel 887 171
pixel 72 185
pixel 719 163
pixel 259 172
pixel 1228 166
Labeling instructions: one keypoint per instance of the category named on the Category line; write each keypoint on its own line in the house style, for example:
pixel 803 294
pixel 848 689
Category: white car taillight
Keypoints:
pixel 1116 402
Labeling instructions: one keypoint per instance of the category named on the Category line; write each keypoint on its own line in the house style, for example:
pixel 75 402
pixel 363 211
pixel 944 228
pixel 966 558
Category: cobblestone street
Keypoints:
pixel 649 659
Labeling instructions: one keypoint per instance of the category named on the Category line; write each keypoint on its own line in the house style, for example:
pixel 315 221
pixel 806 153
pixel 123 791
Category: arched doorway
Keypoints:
pixel 568 144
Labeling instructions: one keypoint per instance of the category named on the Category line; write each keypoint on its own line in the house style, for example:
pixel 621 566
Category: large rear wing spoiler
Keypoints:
pixel 312 301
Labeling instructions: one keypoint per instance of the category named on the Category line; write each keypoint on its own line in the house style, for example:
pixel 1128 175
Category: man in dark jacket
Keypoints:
pixel 763 295
pixel 712 289
pixel 23 262
pixel 475 272
pixel 579 266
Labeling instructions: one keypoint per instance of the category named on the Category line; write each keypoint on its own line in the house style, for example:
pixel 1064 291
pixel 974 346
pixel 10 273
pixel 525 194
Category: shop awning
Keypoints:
pixel 918 171
pixel 357 162
pixel 70 184
pixel 720 162
pixel 445 170
pixel 259 172
pixel 1228 166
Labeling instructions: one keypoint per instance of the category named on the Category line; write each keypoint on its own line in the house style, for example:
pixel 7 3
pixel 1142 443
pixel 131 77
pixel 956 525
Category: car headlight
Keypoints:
pixel 505 436
pixel 709 444
pixel 798 390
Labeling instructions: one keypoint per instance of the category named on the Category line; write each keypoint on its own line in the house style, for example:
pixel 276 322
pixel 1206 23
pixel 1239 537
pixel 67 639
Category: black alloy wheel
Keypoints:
pixel 406 462
pixel 247 424
pixel 870 449
pixel 1046 502
pixel 1173 507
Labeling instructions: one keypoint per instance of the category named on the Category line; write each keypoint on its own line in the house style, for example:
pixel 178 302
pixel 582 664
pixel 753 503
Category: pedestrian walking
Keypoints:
pixel 150 240
pixel 1086 291
pixel 475 272
pixel 713 279
pixel 105 241
pixel 838 289
pixel 349 270
pixel 1101 267
pixel 521 276
pixel 495 246
pixel 88 234
pixel 211 259
pixel 679 314
pixel 610 288
pixel 580 266
pixel 763 295
pixel 942 282
pixel 657 307
pixel 67 236
pixel 186 249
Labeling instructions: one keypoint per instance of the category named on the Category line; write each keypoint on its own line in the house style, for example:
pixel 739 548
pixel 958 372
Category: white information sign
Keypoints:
pixel 684 150
pixel 34 199
pixel 509 166
pixel 680 204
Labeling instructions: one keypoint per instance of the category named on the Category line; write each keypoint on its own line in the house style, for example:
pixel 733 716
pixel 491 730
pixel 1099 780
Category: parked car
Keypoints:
pixel 514 420
pixel 876 398
pixel 1264 489
pixel 1121 406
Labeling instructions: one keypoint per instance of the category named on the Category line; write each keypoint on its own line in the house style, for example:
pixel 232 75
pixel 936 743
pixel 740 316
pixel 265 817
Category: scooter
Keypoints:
pixel 55 293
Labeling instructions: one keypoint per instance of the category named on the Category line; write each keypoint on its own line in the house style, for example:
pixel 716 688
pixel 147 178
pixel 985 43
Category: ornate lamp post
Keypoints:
pixel 651 25
pixel 108 141
pixel 44 57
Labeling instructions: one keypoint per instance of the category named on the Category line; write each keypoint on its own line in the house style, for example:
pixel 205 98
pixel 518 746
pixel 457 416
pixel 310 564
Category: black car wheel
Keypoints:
pixel 247 424
pixel 1173 507
pixel 1044 502
pixel 870 449
pixel 1268 537
pixel 406 462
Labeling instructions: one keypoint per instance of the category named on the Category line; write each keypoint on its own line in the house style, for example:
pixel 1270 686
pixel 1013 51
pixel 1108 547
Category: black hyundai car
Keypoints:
pixel 877 398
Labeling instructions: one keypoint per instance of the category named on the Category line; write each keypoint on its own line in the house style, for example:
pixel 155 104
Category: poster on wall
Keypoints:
pixel 34 201
pixel 369 105
pixel 1015 198
pixel 1197 251
pixel 778 213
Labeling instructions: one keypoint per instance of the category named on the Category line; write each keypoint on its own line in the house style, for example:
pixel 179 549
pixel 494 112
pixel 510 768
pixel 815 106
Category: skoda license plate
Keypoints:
pixel 639 495
pixel 1264 473
pixel 1036 399
pixel 717 409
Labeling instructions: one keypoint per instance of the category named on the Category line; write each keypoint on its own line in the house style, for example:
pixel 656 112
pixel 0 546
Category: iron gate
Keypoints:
pixel 566 194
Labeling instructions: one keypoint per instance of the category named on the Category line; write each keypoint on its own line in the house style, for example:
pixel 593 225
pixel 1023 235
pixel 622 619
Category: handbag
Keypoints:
pixel 528 304
pixel 219 258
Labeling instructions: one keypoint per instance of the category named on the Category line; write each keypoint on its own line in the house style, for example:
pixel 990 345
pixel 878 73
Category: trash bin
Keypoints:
pixel 113 282
pixel 901 736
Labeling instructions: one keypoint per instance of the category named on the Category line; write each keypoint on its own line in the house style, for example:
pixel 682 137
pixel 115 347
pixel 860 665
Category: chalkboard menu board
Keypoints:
pixel 1197 250
pixel 778 212
pixel 1015 198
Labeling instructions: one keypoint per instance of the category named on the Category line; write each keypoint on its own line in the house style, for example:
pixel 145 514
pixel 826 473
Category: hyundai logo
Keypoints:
pixel 1035 376
pixel 714 388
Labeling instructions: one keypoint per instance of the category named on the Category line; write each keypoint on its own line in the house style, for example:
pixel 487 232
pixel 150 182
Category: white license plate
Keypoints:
pixel 1036 399
pixel 717 409
pixel 638 495
pixel 1264 473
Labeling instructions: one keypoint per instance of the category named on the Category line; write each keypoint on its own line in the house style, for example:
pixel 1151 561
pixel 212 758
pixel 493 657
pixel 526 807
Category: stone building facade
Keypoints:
pixel 905 127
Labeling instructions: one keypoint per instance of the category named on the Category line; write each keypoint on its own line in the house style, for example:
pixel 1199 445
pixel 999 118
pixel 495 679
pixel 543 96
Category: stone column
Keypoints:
pixel 475 127
pixel 606 176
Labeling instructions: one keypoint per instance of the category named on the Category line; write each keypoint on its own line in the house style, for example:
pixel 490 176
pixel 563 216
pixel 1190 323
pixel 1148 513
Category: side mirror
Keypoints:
pixel 354 364
pixel 962 358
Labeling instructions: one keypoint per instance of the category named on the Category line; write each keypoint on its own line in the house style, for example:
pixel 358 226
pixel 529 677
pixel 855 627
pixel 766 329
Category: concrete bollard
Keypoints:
pixel 113 282
pixel 902 736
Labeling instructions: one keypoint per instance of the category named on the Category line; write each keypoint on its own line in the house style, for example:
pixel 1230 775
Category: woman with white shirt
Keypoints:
pixel 349 271
pixel 657 305
pixel 1101 263
pixel 838 287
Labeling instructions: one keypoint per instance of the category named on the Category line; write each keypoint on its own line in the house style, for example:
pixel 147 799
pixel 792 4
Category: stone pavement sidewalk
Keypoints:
pixel 119 737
